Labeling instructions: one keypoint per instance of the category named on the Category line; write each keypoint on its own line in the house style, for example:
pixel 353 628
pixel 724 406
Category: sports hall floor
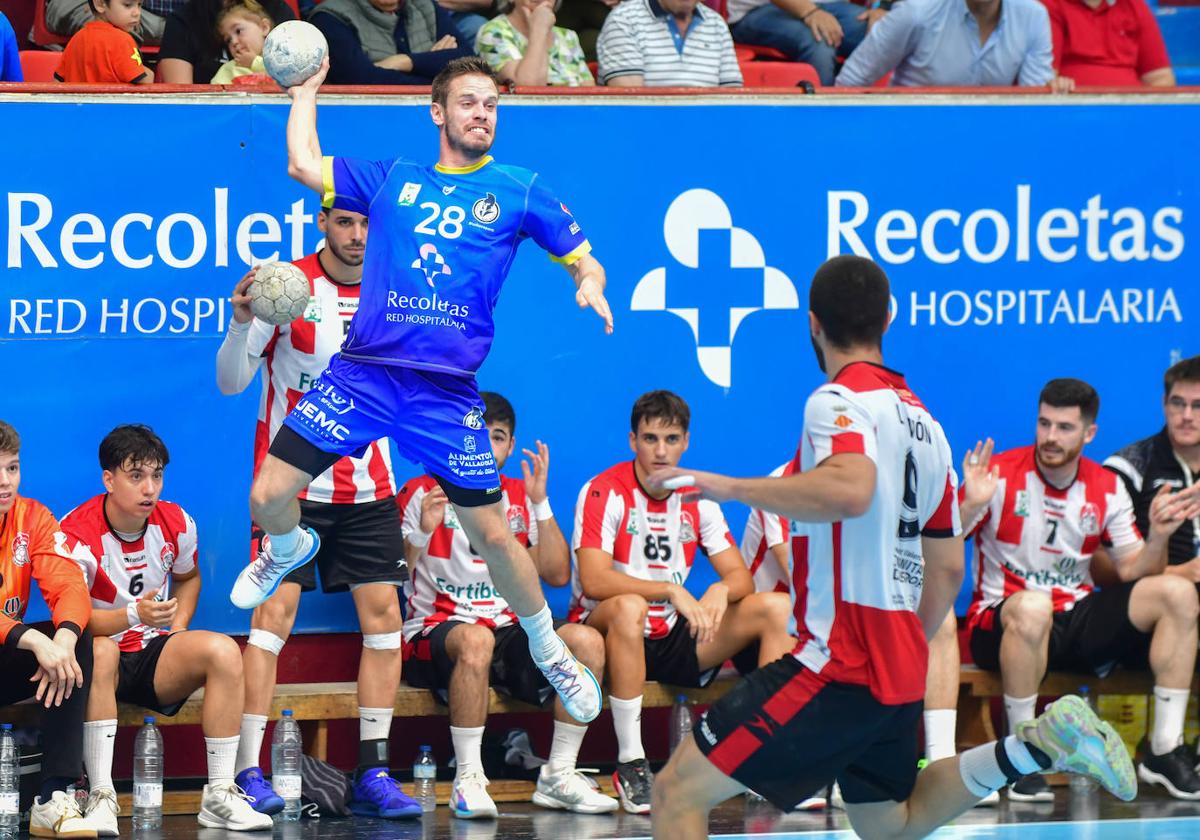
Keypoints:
pixel 1091 817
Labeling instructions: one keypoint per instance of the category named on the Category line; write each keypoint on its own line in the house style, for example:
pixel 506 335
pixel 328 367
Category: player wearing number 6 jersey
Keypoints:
pixel 877 558
pixel 443 239
pixel 139 556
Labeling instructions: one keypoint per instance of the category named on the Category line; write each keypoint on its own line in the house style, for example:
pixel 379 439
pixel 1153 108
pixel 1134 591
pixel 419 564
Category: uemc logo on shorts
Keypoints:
pixel 323 421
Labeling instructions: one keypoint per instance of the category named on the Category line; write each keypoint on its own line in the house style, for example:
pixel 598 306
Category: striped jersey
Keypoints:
pixel 647 538
pixel 121 573
pixel 763 532
pixel 294 355
pixel 450 581
pixel 857 583
pixel 640 38
pixel 1033 535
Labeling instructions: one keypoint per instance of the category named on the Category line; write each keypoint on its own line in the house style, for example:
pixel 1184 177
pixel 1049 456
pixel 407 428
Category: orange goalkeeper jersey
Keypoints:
pixel 32 547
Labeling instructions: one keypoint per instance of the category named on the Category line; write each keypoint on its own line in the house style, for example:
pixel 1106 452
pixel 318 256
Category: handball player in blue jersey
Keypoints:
pixel 443 238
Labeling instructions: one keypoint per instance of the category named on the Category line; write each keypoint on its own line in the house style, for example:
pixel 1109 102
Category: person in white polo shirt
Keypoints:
pixel 813 31
pixel 666 43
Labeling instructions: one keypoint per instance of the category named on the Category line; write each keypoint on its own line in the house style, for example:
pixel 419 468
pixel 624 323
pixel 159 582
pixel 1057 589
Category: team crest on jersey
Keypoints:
pixel 408 195
pixel 450 518
pixel 1089 519
pixel 516 520
pixel 486 209
pixel 631 526
pixel 167 556
pixel 12 607
pixel 474 419
pixel 687 528
pixel 312 312
pixel 1021 505
pixel 20 549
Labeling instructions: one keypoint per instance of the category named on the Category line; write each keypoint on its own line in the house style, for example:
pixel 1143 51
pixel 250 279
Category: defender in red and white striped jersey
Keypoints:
pixel 1047 523
pixel 877 560
pixel 141 567
pixel 765 545
pixel 461 632
pixel 634 550
pixel 350 505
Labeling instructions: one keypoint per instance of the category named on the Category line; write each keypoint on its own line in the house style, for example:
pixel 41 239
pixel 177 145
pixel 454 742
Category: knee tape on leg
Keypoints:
pixel 383 641
pixel 265 640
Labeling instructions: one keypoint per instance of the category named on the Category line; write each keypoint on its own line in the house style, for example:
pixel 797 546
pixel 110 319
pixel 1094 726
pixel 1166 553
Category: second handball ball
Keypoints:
pixel 293 52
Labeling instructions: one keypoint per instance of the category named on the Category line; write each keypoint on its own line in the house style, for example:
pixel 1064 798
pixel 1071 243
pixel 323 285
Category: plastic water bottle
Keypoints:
pixel 681 721
pixel 10 784
pixel 148 777
pixel 425 779
pixel 286 747
pixel 1084 784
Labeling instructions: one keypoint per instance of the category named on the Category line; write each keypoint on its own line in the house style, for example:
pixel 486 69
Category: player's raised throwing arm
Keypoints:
pixel 304 149
pixel 589 279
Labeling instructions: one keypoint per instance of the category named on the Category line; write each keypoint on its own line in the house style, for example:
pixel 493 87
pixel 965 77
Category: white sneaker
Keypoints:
pixel 258 581
pixel 571 791
pixel 59 817
pixel 227 806
pixel 813 803
pixel 469 798
pixel 576 685
pixel 102 811
pixel 992 800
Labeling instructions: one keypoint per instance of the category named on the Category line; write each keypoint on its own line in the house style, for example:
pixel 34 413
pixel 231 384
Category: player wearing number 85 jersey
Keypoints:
pixel 139 555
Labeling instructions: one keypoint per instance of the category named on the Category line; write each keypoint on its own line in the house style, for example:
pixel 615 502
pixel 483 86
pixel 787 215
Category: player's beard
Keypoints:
pixel 819 353
pixel 458 142
pixel 1059 458
pixel 343 257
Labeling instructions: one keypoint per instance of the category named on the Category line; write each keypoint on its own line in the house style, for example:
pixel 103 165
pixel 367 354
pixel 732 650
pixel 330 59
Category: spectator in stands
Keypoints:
pixel 387 42
pixel 460 637
pixel 1039 514
pixel 524 47
pixel 816 32
pixel 243 26
pixel 191 51
pixel 468 16
pixel 10 58
pixel 1172 458
pixel 666 43
pixel 50 660
pixel 1107 42
pixel 585 18
pixel 634 551
pixel 104 51
pixel 66 17
pixel 955 43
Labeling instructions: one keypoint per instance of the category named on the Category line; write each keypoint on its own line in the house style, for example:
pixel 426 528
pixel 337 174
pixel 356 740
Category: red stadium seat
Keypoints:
pixel 778 74
pixel 42 36
pixel 39 65
pixel 759 53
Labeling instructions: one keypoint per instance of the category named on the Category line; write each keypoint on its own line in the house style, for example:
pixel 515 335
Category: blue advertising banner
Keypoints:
pixel 1024 241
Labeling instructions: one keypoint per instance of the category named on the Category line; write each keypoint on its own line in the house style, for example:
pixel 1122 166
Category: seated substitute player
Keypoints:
pixel 1039 514
pixel 442 243
pixel 634 549
pixel 461 636
pixel 878 559
pixel 50 661
pixel 140 566
pixel 351 507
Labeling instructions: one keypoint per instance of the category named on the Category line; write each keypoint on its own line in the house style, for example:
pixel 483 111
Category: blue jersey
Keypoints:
pixel 442 241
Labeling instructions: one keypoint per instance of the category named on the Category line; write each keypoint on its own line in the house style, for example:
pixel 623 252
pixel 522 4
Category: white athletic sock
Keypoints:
pixel 939 733
pixel 980 770
pixel 254 727
pixel 544 643
pixel 222 753
pixel 564 749
pixel 627 721
pixel 98 739
pixel 467 742
pixel 286 545
pixel 374 724
pixel 1170 709
pixel 1019 710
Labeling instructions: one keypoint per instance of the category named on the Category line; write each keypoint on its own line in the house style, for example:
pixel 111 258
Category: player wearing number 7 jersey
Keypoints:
pixel 443 239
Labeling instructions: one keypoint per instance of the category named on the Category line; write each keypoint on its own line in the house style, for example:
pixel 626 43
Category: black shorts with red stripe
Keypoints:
pixel 786 733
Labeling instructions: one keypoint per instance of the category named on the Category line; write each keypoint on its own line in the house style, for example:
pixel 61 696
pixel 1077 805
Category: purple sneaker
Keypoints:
pixel 376 794
pixel 262 796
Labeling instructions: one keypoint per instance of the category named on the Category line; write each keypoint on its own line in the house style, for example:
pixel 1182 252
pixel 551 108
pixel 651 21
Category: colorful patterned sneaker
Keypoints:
pixel 1077 741
pixel 570 790
pixel 376 794
pixel 102 811
pixel 1173 770
pixel 576 685
pixel 258 581
pixel 262 796
pixel 469 799
pixel 1031 788
pixel 633 781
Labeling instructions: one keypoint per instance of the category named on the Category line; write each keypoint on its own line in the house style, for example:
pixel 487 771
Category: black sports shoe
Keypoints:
pixel 1173 770
pixel 633 781
pixel 1031 788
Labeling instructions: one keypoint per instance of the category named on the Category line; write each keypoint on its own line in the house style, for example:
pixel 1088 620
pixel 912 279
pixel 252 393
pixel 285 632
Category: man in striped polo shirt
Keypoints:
pixel 666 43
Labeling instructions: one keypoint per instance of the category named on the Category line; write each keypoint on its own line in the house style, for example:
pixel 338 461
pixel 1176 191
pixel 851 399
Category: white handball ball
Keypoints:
pixel 278 293
pixel 293 52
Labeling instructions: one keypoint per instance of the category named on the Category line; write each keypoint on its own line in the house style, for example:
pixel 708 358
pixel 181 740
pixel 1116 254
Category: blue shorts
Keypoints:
pixel 436 420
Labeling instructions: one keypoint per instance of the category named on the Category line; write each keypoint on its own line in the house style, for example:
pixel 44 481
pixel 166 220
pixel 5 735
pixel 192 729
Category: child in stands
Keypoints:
pixel 242 26
pixel 104 50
